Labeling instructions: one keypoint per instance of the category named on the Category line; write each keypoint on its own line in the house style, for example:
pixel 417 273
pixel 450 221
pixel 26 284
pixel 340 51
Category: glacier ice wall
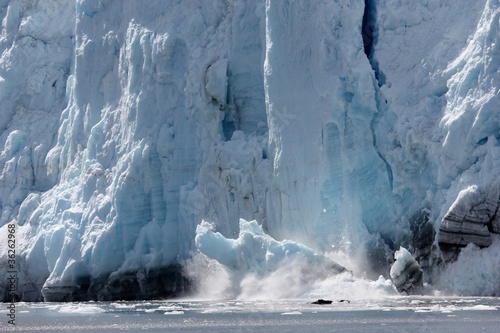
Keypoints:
pixel 345 126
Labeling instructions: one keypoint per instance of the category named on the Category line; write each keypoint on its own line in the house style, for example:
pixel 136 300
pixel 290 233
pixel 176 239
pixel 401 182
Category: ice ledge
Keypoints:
pixel 472 218
pixel 158 283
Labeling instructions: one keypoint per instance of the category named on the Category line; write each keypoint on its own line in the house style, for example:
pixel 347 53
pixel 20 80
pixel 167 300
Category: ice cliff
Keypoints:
pixel 347 126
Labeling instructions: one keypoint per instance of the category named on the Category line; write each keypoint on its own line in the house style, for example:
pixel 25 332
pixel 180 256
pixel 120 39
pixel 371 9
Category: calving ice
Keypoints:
pixel 135 135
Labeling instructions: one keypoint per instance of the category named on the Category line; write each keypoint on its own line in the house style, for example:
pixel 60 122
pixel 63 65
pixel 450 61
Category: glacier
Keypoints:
pixel 347 128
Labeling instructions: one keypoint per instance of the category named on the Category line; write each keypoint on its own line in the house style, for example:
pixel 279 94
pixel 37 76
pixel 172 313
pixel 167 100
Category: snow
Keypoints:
pixel 125 124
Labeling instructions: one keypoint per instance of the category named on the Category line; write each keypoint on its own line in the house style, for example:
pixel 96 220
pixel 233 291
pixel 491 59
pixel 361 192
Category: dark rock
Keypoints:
pixel 322 301
pixel 495 224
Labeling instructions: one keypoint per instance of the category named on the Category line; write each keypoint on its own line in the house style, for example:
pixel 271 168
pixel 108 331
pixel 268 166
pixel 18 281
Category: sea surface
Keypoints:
pixel 398 314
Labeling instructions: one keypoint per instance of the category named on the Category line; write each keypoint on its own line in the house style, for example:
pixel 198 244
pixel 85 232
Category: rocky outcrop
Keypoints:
pixel 472 218
pixel 322 301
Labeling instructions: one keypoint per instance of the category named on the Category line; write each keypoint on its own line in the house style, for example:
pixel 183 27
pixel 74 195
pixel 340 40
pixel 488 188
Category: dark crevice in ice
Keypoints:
pixel 369 33
pixel 368 27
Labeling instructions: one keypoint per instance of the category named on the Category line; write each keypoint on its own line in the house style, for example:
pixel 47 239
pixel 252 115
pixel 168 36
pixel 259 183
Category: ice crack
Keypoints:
pixel 369 20
pixel 369 30
pixel 369 34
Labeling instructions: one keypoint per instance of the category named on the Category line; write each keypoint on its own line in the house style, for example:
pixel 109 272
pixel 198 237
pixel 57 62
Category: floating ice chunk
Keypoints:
pixel 291 313
pixel 124 306
pixel 480 307
pixel 174 312
pixel 402 257
pixel 405 272
pixel 80 308
pixel 171 308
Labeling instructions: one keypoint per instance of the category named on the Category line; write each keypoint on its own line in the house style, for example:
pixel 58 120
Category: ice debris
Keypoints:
pixel 406 273
pixel 256 252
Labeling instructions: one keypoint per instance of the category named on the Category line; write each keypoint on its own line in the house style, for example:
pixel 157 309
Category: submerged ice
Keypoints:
pixel 335 126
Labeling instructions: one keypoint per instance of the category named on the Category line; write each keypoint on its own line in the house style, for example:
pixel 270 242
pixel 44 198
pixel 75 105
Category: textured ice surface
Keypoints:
pixel 126 123
pixel 406 272
pixel 256 252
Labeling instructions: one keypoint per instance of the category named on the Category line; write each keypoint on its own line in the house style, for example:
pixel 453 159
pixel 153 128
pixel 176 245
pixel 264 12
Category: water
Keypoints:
pixel 398 314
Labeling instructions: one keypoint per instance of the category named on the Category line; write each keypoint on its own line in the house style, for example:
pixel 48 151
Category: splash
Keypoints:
pixel 255 266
